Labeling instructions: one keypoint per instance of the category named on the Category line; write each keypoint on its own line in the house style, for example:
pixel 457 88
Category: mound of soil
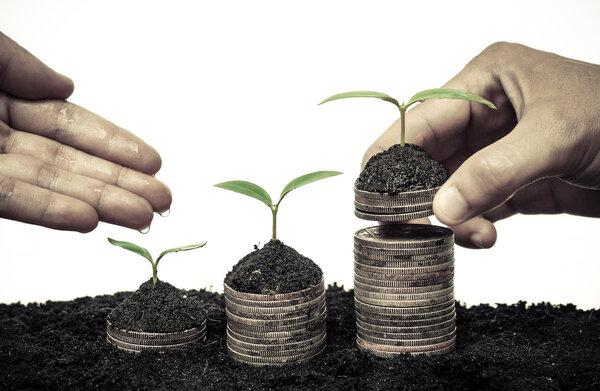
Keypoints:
pixel 401 169
pixel 275 268
pixel 62 345
pixel 157 307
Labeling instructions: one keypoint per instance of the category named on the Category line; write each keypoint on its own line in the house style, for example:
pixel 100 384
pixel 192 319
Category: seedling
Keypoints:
pixel 255 191
pixel 440 93
pixel 144 253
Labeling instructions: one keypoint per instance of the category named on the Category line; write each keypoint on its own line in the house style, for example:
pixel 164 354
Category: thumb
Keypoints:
pixel 24 76
pixel 492 175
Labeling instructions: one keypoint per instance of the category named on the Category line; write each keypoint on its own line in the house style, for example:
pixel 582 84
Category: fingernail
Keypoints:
pixel 475 239
pixel 165 213
pixel 144 230
pixel 452 205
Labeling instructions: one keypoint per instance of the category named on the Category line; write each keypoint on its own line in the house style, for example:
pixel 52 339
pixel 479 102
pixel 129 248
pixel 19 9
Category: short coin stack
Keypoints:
pixel 393 207
pixel 404 290
pixel 136 341
pixel 275 329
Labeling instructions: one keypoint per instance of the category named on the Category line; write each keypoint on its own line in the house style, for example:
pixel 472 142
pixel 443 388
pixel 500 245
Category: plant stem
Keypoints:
pixel 154 272
pixel 402 108
pixel 274 211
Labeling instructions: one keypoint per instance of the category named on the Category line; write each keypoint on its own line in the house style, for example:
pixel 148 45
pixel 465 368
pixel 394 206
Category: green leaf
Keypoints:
pixel 306 179
pixel 448 93
pixel 362 94
pixel 132 247
pixel 177 249
pixel 249 189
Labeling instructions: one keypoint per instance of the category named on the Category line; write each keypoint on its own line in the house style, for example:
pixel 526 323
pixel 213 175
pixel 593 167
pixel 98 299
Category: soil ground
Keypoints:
pixel 62 346
pixel 401 169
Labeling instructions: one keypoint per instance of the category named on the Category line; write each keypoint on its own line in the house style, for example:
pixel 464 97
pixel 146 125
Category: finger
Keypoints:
pixel 492 175
pixel 477 232
pixel 113 205
pixel 23 75
pixel 73 125
pixel 30 204
pixel 78 162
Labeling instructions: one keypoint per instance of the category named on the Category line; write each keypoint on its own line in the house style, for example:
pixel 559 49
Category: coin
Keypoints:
pixel 403 349
pixel 368 251
pixel 274 338
pixel 240 323
pixel 379 257
pixel 260 352
pixel 402 270
pixel 390 208
pixel 415 329
pixel 268 345
pixel 313 292
pixel 395 217
pixel 252 313
pixel 405 320
pixel 407 342
pixel 402 284
pixel 403 290
pixel 407 303
pixel 135 341
pixel 376 309
pixel 386 354
pixel 398 196
pixel 404 276
pixel 401 236
pixel 274 361
pixel 403 297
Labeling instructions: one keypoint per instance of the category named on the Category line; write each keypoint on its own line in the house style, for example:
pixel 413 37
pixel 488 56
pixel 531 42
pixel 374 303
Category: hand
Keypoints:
pixel 538 153
pixel 61 166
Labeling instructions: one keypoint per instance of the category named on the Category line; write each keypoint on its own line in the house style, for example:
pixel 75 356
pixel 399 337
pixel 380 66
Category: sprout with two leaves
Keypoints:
pixel 439 93
pixel 252 190
pixel 146 254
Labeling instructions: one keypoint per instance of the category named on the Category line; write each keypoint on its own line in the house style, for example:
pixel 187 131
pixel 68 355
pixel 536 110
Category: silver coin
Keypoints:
pixel 240 323
pixel 376 309
pixel 406 303
pixel 277 297
pixel 407 342
pixel 385 354
pixel 155 338
pixel 369 252
pixel 403 284
pixel 379 329
pixel 265 338
pixel 403 290
pixel 246 319
pixel 133 347
pixel 405 320
pixel 304 345
pixel 405 276
pixel 393 202
pixel 382 258
pixel 300 301
pixel 403 297
pixel 402 236
pixel 399 196
pixel 273 361
pixel 276 353
pixel 404 349
pixel 391 209
pixel 394 217
pixel 251 313
pixel 402 270
pixel 418 335
pixel 273 310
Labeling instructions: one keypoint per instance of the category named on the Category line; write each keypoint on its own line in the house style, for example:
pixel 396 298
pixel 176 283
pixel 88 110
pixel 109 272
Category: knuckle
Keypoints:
pixel 47 177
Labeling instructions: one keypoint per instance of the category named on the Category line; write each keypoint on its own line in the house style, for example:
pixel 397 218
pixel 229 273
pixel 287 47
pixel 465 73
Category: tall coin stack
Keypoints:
pixel 403 280
pixel 275 329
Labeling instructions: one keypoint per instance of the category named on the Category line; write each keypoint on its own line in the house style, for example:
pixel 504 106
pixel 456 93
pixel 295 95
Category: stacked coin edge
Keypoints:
pixel 275 330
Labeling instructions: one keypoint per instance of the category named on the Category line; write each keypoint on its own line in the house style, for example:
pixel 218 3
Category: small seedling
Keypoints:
pixel 144 253
pixel 440 93
pixel 255 191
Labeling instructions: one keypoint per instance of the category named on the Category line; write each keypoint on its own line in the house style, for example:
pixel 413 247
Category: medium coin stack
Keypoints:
pixel 397 207
pixel 275 329
pixel 404 289
pixel 136 341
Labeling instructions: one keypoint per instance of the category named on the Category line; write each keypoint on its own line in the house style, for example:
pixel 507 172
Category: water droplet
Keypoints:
pixel 144 230
pixel 165 213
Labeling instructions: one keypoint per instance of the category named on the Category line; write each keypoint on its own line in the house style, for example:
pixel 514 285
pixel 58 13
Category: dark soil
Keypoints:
pixel 401 169
pixel 157 307
pixel 62 346
pixel 275 268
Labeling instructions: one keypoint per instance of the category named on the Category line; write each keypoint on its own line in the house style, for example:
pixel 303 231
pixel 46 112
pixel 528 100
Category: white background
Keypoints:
pixel 229 90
